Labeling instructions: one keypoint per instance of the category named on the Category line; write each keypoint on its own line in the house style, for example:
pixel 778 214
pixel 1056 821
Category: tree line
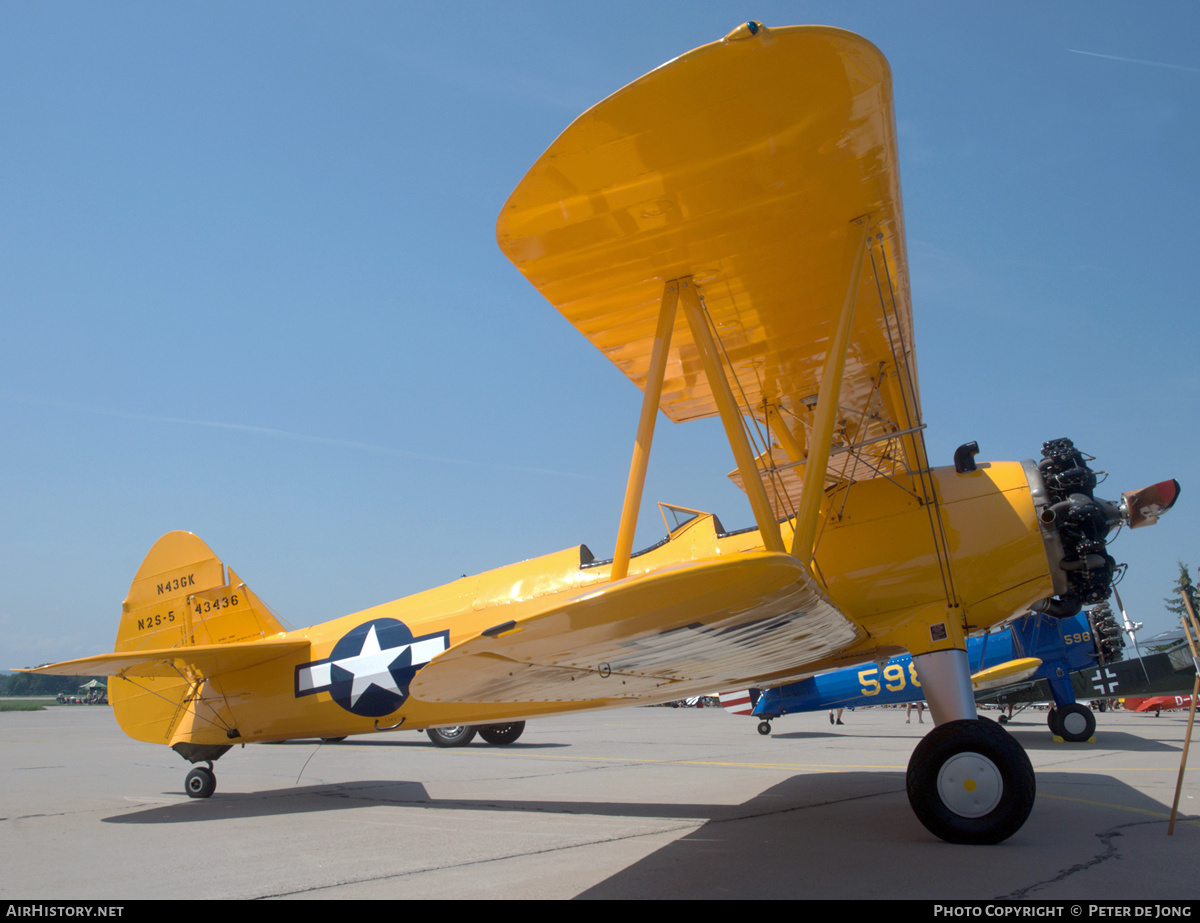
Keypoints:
pixel 39 684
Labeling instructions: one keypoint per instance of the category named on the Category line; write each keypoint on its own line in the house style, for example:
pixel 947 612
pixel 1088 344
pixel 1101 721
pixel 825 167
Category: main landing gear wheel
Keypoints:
pixel 501 734
pixel 452 737
pixel 971 782
pixel 764 728
pixel 1073 723
pixel 200 782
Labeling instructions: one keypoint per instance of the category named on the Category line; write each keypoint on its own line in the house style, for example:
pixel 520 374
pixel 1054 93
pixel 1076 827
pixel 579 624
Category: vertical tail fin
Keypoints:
pixel 181 597
pixel 741 702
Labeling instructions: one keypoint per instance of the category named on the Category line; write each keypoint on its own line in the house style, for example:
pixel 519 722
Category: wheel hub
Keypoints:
pixel 970 785
pixel 1074 723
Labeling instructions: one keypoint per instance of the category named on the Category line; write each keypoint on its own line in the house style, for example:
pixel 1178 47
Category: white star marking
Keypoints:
pixel 370 667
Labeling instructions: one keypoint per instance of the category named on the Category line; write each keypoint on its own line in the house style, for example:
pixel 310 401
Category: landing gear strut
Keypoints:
pixel 969 781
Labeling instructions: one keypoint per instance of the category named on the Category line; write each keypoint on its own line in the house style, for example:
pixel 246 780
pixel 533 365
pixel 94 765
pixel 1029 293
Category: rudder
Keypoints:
pixel 180 597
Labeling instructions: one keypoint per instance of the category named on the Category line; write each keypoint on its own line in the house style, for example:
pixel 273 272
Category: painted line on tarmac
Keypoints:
pixel 1162 815
pixel 810 767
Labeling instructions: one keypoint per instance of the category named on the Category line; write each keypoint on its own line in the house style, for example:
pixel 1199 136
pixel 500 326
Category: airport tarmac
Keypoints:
pixel 645 802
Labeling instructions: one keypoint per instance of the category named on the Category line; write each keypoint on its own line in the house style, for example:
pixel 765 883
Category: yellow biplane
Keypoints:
pixel 728 231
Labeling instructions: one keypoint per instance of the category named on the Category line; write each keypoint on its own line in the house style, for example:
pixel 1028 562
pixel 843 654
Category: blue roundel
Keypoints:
pixel 371 668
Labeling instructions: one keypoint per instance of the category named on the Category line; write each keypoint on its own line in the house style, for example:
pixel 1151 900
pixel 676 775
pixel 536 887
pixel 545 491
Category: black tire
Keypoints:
pixel 1052 723
pixel 501 734
pixel 1003 719
pixel 200 783
pixel 452 737
pixel 1076 723
pixel 764 728
pixel 971 782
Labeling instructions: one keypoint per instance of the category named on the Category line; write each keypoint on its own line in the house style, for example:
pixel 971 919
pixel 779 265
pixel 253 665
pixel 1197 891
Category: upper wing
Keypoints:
pixel 741 164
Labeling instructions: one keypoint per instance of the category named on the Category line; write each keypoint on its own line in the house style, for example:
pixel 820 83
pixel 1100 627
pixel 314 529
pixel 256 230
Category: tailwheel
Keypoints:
pixel 501 734
pixel 201 782
pixel 764 728
pixel 452 737
pixel 971 782
pixel 1074 723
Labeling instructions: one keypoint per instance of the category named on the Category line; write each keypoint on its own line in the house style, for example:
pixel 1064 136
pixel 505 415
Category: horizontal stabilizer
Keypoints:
pixel 206 660
pixel 679 631
pixel 1011 671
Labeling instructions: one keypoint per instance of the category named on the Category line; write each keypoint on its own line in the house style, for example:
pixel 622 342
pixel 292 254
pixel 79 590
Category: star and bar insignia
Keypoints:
pixel 370 669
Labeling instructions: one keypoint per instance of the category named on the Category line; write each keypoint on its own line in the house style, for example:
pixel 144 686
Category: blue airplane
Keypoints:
pixel 1035 651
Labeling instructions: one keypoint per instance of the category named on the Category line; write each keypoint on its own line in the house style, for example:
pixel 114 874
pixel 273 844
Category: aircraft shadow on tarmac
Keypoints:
pixel 1039 738
pixel 423 743
pixel 808 805
pixel 812 835
pixel 863 842
pixel 374 793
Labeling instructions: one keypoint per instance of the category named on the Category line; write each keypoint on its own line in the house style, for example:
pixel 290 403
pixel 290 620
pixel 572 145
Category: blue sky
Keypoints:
pixel 251 287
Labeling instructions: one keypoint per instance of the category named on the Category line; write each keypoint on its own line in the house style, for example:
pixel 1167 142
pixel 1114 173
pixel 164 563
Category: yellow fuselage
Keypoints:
pixel 876 558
